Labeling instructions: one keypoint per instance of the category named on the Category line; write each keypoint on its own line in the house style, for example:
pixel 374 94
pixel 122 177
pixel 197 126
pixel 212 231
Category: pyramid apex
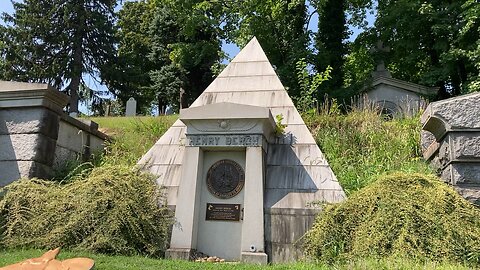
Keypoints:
pixel 252 52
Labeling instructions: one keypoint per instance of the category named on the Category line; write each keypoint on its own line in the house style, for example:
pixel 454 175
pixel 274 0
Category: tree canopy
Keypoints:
pixel 57 41
pixel 166 52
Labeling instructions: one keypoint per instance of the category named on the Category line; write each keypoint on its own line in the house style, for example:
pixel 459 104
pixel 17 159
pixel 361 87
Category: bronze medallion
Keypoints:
pixel 225 179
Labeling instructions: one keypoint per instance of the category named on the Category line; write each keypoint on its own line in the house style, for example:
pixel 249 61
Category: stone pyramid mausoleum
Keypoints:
pixel 295 171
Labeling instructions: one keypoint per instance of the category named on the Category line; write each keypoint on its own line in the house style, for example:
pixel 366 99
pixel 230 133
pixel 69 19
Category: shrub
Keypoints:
pixel 404 215
pixel 113 209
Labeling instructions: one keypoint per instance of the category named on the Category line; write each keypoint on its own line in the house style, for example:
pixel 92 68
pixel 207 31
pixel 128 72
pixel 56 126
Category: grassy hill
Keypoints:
pixel 359 146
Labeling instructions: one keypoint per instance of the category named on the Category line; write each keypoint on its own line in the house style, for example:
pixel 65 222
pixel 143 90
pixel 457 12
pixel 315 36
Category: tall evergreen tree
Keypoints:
pixel 58 41
pixel 330 43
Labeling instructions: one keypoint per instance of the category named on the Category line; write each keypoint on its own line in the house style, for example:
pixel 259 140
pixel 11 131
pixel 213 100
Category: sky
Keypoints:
pixel 230 49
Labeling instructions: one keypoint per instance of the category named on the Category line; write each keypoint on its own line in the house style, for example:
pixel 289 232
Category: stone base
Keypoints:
pixel 179 253
pixel 254 257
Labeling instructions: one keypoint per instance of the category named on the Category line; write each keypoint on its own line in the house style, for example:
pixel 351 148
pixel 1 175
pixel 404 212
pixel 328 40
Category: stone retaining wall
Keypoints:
pixel 36 137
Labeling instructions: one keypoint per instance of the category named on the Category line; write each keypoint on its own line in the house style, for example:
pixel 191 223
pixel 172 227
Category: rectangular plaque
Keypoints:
pixel 223 212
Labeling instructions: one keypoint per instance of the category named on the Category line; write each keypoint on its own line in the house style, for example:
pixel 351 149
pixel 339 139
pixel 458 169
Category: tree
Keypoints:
pixel 280 26
pixel 164 46
pixel 127 74
pixel 468 43
pixel 329 43
pixel 426 42
pixel 58 41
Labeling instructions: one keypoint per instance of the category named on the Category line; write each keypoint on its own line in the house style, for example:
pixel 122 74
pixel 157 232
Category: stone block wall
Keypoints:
pixel 451 141
pixel 36 137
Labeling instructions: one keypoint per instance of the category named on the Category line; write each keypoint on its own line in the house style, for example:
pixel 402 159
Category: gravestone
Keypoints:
pixel 240 191
pixel 451 141
pixel 131 109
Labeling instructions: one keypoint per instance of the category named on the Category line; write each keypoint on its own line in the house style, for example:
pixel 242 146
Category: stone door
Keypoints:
pixel 219 237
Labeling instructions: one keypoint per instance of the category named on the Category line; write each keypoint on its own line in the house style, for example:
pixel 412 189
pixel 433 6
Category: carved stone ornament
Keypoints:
pixel 225 179
pixel 48 262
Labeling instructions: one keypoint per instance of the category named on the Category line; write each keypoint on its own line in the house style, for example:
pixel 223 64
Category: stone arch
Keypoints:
pixel 436 126
pixel 389 109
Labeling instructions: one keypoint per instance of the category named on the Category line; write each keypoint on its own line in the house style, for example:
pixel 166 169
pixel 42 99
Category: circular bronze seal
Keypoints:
pixel 225 179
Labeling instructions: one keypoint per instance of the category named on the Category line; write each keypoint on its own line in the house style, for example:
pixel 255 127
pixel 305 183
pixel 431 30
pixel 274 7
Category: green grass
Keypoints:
pixel 103 262
pixel 132 136
pixel 361 146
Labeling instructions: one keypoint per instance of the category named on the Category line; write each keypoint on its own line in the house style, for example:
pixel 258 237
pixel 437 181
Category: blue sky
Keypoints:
pixel 230 49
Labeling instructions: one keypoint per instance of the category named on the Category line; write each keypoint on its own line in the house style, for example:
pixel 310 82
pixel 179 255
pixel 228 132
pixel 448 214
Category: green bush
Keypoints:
pixel 111 209
pixel 400 215
pixel 361 145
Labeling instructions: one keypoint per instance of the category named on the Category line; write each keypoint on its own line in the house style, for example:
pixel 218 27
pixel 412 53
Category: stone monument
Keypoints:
pixel 131 109
pixel 451 141
pixel 240 190
pixel 394 97
pixel 36 136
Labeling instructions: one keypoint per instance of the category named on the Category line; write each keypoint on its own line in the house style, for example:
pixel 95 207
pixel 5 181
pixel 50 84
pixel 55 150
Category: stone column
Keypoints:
pixel 184 233
pixel 253 236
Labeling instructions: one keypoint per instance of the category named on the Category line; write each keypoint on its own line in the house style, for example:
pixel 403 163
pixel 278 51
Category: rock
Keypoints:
pixel 222 260
pixel 210 259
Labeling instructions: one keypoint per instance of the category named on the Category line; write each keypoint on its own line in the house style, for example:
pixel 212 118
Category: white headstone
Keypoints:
pixel 131 107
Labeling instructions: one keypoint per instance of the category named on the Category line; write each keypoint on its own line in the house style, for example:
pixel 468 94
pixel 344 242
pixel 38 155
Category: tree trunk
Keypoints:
pixel 77 66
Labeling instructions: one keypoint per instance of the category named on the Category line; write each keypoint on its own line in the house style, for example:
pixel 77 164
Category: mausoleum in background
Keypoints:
pixel 394 97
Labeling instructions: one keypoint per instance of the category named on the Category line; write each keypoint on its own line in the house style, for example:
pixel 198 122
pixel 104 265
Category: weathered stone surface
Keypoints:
pixel 287 155
pixel 465 146
pixel 10 172
pixel 131 109
pixel 36 147
pixel 14 170
pixel 426 139
pixel 397 97
pixel 29 120
pixel 455 124
pixel 284 253
pixel 32 124
pixel 459 112
pixel 465 173
pixel 300 199
pixel 469 192
pixel 285 227
pixel 307 177
pixel 64 155
pixel 254 258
